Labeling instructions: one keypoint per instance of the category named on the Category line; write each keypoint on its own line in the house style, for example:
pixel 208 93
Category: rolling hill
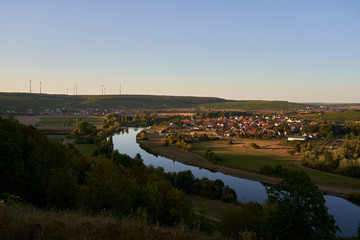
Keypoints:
pixel 38 102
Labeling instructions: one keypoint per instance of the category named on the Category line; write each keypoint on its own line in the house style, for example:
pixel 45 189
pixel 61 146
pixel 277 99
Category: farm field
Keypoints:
pixel 57 121
pixel 254 105
pixel 240 154
pixel 335 116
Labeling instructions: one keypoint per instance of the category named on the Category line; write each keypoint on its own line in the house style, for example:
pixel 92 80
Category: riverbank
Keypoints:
pixel 327 182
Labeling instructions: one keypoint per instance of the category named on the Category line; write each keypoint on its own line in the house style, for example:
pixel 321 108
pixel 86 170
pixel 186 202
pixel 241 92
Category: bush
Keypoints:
pixel 354 197
pixel 277 171
pixel 211 157
pixel 291 151
pixel 148 148
pixel 142 136
pixel 183 145
pixel 165 142
pixel 188 148
pixel 254 146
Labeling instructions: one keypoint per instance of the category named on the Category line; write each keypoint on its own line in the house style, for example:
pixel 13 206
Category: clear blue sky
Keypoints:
pixel 301 50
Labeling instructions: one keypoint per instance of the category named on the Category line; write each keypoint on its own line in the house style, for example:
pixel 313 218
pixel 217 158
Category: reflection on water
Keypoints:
pixel 346 214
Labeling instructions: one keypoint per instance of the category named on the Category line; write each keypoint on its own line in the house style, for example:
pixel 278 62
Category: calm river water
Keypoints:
pixel 347 215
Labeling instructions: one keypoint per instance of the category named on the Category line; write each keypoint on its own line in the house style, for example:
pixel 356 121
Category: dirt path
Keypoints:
pixel 210 217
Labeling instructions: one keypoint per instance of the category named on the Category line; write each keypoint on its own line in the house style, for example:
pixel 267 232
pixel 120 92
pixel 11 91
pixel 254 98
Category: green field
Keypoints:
pixel 249 159
pixel 252 160
pixel 86 150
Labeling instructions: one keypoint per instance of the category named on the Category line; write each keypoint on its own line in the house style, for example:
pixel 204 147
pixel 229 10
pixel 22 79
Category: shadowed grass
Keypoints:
pixel 215 208
pixel 86 150
pixel 26 222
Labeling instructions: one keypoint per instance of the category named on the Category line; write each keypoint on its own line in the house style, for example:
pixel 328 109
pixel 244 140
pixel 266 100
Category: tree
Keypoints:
pixel 254 146
pixel 297 210
pixel 284 129
pixel 104 187
pixel 166 204
pixel 184 180
pixel 165 142
pixel 203 221
pixel 63 190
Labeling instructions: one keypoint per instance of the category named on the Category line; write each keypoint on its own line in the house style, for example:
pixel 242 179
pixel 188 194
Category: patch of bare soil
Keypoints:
pixel 28 120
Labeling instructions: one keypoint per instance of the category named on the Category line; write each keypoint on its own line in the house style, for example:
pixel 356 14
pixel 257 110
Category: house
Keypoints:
pixel 228 135
pixel 296 138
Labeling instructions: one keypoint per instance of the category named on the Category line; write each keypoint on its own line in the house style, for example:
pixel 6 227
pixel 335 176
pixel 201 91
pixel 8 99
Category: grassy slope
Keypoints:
pixel 148 101
pixel 22 101
pixel 26 222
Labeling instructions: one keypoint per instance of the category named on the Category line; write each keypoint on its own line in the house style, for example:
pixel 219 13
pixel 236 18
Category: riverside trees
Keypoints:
pixel 344 160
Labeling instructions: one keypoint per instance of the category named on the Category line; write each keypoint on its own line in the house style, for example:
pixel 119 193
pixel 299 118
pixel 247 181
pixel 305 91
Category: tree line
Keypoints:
pixel 114 122
pixel 331 130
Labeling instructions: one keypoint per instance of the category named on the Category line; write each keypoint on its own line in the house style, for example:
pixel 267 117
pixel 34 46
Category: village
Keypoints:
pixel 266 127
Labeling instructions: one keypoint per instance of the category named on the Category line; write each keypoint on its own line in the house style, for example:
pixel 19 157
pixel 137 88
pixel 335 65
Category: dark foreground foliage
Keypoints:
pixel 52 175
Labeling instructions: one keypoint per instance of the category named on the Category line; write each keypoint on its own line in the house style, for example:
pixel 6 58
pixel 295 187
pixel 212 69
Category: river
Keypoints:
pixel 347 215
